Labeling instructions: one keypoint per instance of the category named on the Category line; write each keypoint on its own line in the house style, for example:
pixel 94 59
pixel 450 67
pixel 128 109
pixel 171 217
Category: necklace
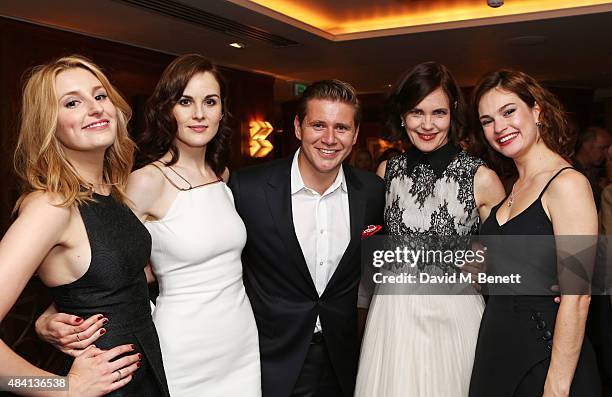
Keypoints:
pixel 513 195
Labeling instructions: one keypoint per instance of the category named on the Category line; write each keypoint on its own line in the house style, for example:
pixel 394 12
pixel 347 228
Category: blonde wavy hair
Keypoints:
pixel 40 161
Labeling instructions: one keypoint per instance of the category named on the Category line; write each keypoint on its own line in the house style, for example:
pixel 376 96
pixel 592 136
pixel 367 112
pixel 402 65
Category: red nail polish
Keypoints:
pixel 133 347
pixel 102 331
pixel 140 356
pixel 138 364
pixel 78 319
pixel 100 316
pixel 105 321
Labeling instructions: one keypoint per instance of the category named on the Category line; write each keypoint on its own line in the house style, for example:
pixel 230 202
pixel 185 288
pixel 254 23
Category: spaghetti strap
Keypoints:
pixel 551 179
pixel 166 176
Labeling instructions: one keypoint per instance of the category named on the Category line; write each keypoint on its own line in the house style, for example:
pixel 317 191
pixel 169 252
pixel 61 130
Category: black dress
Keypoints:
pixel 516 333
pixel 115 286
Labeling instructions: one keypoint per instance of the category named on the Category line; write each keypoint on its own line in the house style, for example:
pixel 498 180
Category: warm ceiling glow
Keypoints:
pixel 237 45
pixel 424 13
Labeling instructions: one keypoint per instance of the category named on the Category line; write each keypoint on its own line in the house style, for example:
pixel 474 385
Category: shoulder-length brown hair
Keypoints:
pixel 553 130
pixel 40 161
pixel 416 84
pixel 160 130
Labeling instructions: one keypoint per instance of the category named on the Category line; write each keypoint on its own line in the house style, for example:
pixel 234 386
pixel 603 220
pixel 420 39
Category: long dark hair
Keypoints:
pixel 417 83
pixel 160 125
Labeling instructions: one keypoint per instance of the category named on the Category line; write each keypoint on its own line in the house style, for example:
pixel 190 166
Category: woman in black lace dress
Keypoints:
pixel 423 345
pixel 75 231
pixel 528 345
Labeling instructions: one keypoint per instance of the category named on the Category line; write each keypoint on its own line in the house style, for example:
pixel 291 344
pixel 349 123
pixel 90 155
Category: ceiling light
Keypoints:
pixel 495 3
pixel 237 45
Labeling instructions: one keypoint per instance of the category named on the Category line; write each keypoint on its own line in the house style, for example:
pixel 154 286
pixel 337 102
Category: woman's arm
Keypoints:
pixel 40 227
pixel 488 191
pixel 571 207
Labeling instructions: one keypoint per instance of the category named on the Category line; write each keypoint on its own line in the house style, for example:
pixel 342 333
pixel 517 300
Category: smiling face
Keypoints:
pixel 86 119
pixel 327 133
pixel 428 122
pixel 198 111
pixel 508 123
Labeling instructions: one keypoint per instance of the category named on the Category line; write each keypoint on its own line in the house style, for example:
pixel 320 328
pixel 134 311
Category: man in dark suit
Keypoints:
pixel 304 217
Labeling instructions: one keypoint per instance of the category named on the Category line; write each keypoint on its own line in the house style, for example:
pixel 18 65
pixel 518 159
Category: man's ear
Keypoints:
pixel 297 128
pixel 356 135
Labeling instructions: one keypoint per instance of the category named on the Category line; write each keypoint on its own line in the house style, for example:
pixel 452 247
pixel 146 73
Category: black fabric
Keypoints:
pixel 516 333
pixel 438 159
pixel 115 286
pixel 283 296
pixel 317 377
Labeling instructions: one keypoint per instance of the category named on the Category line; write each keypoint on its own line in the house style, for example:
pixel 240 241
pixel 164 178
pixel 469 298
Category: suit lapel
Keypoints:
pixel 278 193
pixel 357 204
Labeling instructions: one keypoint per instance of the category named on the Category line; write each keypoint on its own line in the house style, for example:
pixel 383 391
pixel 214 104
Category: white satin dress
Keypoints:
pixel 206 327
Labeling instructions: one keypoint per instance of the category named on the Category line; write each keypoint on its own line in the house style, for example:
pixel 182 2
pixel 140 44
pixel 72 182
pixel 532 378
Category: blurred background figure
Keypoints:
pixel 362 159
pixel 590 156
pixel 388 154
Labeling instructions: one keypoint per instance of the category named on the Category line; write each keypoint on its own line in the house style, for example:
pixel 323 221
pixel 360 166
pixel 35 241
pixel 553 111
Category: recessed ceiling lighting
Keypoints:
pixel 237 45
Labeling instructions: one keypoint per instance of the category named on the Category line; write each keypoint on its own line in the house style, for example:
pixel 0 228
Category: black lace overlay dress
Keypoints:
pixel 422 345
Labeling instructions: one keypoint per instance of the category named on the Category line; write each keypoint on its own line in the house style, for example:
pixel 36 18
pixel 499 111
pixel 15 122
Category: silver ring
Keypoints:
pixel 118 371
pixel 77 335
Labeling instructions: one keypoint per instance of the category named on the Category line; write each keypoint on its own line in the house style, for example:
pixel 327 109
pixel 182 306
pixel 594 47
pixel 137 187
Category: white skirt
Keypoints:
pixel 419 346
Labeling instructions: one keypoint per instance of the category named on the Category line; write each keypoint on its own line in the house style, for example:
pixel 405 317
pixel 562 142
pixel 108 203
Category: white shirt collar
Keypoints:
pixel 297 183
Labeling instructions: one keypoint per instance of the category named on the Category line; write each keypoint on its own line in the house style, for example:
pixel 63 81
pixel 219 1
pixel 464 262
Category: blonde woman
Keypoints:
pixel 74 229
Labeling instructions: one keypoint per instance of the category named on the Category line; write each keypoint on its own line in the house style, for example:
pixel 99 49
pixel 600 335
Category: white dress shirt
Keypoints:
pixel 322 226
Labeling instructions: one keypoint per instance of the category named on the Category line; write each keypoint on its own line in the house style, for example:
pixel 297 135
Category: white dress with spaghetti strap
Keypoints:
pixel 206 326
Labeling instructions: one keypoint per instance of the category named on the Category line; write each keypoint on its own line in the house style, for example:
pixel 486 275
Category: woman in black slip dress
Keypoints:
pixel 75 231
pixel 529 345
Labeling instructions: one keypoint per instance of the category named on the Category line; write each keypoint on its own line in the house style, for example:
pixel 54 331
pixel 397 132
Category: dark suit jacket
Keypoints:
pixel 279 285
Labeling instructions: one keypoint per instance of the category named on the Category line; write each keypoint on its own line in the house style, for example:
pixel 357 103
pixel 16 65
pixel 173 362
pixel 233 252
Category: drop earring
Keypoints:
pixel 403 124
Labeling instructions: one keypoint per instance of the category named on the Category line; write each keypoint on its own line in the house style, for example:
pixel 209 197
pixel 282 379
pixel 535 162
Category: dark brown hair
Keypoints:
pixel 416 84
pixel 333 90
pixel 160 125
pixel 553 130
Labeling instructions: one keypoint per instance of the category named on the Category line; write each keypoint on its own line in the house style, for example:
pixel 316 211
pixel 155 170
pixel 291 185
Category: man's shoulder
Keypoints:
pixel 367 178
pixel 262 171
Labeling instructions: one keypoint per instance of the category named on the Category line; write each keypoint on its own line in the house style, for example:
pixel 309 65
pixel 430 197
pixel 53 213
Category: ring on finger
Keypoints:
pixel 77 336
pixel 119 376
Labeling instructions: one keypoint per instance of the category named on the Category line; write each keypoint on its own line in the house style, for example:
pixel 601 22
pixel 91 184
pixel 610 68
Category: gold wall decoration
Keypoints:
pixel 259 146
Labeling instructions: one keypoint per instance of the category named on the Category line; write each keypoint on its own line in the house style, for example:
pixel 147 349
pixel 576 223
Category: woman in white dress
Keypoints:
pixel 206 326
pixel 423 345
